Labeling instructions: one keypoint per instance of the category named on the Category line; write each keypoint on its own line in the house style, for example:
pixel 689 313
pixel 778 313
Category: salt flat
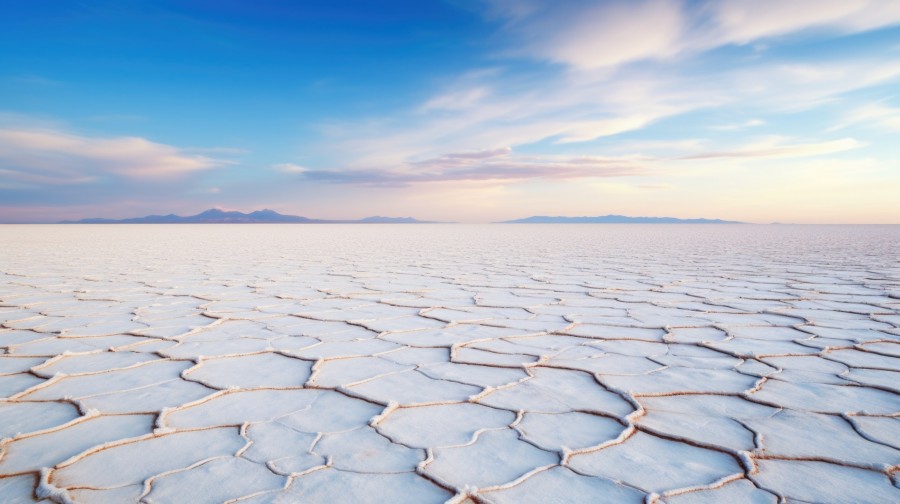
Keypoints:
pixel 432 363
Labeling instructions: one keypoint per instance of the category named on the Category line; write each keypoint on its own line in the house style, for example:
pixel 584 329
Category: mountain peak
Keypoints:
pixel 212 212
pixel 265 212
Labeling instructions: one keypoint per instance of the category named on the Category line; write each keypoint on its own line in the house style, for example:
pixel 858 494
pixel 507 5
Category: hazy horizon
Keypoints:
pixel 468 111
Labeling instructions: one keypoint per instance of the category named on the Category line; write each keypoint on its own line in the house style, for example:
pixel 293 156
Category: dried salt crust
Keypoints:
pixel 333 364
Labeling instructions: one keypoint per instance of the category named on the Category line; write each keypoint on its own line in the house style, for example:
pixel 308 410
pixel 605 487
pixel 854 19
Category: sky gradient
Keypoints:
pixel 462 110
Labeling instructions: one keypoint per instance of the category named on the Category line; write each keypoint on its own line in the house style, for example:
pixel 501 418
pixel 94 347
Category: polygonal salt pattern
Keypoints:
pixel 432 363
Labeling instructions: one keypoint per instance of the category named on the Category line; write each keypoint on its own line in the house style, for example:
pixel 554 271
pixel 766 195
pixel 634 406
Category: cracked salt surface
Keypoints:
pixel 489 364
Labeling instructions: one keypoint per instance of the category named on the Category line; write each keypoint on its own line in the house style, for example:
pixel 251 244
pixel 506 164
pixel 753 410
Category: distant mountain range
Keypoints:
pixel 614 219
pixel 215 216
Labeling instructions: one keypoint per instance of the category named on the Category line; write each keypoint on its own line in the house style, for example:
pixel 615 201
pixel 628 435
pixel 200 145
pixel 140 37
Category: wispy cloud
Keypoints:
pixel 750 123
pixel 290 168
pixel 600 34
pixel 589 35
pixel 775 149
pixel 743 21
pixel 50 156
pixel 497 164
pixel 465 157
pixel 457 100
pixel 659 146
pixel 876 115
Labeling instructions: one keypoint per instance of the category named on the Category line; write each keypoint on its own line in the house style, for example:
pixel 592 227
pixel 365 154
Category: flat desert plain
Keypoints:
pixel 460 363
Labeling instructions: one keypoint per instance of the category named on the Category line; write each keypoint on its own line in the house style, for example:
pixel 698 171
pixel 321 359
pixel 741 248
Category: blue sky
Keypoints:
pixel 468 110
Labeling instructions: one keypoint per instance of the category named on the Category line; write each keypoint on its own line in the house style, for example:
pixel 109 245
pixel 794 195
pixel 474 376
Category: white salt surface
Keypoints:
pixel 427 363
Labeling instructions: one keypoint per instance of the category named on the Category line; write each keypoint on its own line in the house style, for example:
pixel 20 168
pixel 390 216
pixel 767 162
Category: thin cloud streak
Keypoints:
pixel 876 115
pixel 58 157
pixel 290 168
pixel 750 123
pixel 776 151
pixel 498 164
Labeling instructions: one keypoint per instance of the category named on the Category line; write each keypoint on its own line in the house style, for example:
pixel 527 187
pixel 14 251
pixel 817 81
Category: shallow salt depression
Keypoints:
pixel 461 363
